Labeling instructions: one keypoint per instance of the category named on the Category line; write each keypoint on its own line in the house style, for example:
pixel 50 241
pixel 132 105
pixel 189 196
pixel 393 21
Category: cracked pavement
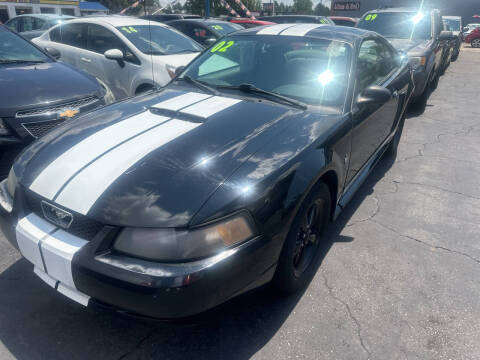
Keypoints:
pixel 399 279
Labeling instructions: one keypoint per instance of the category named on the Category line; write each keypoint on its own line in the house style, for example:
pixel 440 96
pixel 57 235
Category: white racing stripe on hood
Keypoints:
pixel 58 172
pixel 210 106
pixel 274 29
pixel 300 30
pixel 181 101
pixel 84 190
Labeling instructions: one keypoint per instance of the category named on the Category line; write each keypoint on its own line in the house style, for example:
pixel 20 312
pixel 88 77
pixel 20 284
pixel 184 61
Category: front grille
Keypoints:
pixel 38 129
pixel 47 110
pixel 81 226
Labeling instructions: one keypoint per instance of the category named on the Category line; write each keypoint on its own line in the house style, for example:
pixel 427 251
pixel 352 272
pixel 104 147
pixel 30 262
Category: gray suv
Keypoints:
pixel 419 34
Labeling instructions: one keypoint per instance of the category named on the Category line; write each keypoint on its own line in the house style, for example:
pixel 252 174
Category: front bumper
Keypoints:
pixel 89 270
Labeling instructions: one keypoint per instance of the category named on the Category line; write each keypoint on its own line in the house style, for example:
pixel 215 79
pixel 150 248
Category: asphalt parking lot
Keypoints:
pixel 399 279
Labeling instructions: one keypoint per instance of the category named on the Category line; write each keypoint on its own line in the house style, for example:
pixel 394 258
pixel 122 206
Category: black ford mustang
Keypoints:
pixel 168 204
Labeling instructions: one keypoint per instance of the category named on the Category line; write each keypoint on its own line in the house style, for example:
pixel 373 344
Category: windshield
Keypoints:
pixel 398 25
pixel 158 40
pixel 452 24
pixel 224 28
pixel 314 71
pixel 15 49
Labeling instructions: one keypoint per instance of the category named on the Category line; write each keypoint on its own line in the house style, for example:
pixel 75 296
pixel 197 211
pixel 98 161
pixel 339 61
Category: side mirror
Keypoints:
pixel 179 70
pixel 465 29
pixel 210 41
pixel 113 54
pixel 53 52
pixel 446 35
pixel 374 95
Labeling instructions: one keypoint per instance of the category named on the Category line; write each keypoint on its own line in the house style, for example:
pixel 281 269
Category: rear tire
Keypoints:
pixel 301 251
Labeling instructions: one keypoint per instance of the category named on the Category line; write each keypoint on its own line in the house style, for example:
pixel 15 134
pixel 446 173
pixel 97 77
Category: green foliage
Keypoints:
pixel 303 6
pixel 321 9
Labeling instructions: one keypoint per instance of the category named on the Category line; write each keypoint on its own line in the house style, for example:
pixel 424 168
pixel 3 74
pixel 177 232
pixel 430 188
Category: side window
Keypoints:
pixel 100 39
pixel 72 34
pixel 28 23
pixel 38 23
pixel 13 24
pixel 375 62
pixel 54 34
pixel 198 33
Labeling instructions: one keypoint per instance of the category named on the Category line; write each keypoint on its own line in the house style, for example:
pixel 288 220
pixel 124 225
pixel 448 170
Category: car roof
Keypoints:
pixel 319 31
pixel 116 20
pixel 202 20
pixel 343 18
pixel 46 16
pixel 452 17
pixel 400 10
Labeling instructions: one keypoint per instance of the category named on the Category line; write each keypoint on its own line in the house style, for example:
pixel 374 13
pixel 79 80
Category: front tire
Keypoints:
pixel 393 146
pixel 301 252
pixel 475 43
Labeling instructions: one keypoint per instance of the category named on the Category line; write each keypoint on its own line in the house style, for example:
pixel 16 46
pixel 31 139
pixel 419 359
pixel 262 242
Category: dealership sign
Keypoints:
pixel 346 5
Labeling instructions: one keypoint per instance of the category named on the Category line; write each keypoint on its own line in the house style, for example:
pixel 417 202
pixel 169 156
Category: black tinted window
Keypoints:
pixel 100 39
pixel 69 34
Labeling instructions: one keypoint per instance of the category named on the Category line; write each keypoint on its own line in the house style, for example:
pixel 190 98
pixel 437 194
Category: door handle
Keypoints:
pixel 86 60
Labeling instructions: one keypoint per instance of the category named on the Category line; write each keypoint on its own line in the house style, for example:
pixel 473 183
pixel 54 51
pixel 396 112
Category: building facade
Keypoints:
pixel 356 8
pixel 12 8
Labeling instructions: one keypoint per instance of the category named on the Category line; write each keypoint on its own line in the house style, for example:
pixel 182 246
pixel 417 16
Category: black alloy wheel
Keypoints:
pixel 302 249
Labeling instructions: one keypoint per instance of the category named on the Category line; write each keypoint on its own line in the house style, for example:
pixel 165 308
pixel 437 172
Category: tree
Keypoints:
pixel 303 6
pixel 321 10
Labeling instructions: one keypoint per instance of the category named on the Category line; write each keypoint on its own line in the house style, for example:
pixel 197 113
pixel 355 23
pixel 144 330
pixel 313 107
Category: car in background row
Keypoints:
pixel 169 17
pixel 420 35
pixel 171 203
pixel 454 24
pixel 37 92
pixel 295 19
pixel 248 23
pixel 344 21
pixel 204 31
pixel 474 38
pixel 33 25
pixel 469 28
pixel 128 55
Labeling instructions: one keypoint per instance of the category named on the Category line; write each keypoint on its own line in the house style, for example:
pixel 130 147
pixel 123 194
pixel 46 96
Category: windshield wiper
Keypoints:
pixel 249 88
pixel 199 84
pixel 19 61
pixel 185 51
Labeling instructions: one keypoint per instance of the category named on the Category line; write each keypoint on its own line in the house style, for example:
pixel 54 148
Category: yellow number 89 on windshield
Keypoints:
pixel 222 46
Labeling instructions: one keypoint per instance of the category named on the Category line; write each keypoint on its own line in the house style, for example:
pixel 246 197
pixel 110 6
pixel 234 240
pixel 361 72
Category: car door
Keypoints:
pixel 117 75
pixel 69 39
pixel 376 64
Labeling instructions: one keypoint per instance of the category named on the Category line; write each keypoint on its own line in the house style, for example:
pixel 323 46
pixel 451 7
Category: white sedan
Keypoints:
pixel 128 55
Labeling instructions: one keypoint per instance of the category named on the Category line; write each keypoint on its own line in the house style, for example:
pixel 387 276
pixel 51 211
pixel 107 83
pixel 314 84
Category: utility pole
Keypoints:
pixel 207 8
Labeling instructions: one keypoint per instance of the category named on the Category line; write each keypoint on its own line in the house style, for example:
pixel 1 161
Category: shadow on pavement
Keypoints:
pixel 37 322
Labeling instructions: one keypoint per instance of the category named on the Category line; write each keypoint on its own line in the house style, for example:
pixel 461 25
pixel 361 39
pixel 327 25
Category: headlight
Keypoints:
pixel 173 245
pixel 11 183
pixel 417 61
pixel 3 128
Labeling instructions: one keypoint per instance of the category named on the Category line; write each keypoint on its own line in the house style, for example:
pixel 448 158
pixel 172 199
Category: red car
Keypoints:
pixel 474 38
pixel 344 21
pixel 249 23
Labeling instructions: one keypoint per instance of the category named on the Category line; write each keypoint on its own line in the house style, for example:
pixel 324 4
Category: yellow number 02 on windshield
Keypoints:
pixel 221 47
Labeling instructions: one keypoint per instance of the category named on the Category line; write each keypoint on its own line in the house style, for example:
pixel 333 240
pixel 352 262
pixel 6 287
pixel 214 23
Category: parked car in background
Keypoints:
pixel 474 38
pixel 37 92
pixel 249 23
pixel 33 25
pixel 344 21
pixel 128 55
pixel 293 19
pixel 169 17
pixel 454 24
pixel 418 34
pixel 171 203
pixel 204 31
pixel 469 28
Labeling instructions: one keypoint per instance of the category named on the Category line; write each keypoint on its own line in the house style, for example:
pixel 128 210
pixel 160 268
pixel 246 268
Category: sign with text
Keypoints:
pixel 346 5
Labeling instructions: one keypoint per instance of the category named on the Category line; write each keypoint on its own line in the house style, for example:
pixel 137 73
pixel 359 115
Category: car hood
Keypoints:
pixel 35 85
pixel 407 45
pixel 151 161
